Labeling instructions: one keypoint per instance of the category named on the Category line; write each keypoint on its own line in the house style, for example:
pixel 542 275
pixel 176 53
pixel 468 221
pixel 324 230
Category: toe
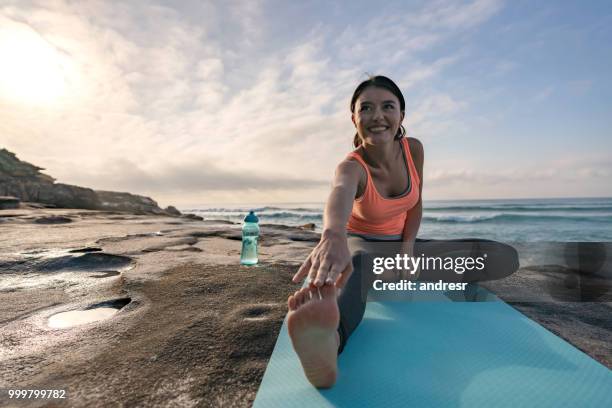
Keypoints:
pixel 301 298
pixel 304 294
pixel 291 302
pixel 313 293
pixel 298 300
pixel 328 290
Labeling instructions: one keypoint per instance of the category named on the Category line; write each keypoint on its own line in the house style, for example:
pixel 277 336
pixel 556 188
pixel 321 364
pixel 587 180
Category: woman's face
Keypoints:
pixel 377 115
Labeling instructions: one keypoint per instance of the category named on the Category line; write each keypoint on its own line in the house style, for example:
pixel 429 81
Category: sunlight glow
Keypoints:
pixel 33 71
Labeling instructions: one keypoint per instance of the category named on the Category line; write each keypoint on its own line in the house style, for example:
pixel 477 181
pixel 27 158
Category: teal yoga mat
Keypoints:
pixel 438 353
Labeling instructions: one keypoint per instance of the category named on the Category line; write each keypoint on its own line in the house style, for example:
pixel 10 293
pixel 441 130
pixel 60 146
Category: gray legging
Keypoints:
pixel 351 301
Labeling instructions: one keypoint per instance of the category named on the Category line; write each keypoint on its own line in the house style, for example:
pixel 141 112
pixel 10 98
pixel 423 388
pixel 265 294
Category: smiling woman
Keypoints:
pixel 33 71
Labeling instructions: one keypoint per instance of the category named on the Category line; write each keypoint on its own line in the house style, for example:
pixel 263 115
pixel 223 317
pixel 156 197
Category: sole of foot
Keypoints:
pixel 312 322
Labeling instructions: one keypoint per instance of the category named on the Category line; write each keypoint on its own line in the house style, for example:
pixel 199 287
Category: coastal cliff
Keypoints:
pixel 24 181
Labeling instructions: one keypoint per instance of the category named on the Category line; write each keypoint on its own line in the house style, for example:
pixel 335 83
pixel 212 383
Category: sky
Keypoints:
pixel 196 102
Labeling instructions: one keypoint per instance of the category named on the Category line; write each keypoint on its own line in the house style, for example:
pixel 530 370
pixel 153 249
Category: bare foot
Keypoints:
pixel 312 322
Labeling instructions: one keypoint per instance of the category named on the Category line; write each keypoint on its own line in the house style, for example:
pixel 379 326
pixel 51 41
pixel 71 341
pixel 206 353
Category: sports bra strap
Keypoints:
pixel 414 174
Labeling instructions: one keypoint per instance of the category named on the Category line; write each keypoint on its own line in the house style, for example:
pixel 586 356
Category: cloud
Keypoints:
pixel 455 15
pixel 124 174
pixel 189 96
pixel 548 178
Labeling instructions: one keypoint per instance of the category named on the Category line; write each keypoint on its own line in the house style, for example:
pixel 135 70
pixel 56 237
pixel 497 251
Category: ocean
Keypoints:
pixel 526 220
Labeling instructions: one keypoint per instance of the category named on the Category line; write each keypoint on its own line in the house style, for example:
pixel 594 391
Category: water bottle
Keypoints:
pixel 250 234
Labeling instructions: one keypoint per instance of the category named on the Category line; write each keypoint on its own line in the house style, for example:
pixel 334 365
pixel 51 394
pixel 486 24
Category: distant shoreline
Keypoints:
pixel 558 220
pixel 187 207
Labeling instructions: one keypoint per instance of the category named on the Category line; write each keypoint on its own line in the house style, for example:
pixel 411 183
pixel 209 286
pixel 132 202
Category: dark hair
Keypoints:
pixel 379 81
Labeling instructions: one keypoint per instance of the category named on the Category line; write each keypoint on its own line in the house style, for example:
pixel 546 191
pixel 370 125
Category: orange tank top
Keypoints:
pixel 374 216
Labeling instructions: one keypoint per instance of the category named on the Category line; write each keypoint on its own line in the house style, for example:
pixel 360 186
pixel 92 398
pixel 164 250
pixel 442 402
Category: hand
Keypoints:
pixel 329 262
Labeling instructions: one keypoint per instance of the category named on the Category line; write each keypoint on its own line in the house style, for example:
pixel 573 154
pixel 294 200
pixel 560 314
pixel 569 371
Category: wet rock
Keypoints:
pixel 9 202
pixel 304 237
pixel 115 303
pixel 310 226
pixel 170 210
pixel 56 219
pixel 187 248
pixel 205 234
pixel 96 261
pixel 105 274
pixel 193 217
pixel 233 235
pixel 85 250
pixel 137 204
pixel 93 313
pixel 220 222
pixel 36 205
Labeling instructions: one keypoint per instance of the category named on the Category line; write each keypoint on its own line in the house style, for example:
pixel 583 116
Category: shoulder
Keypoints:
pixel 350 172
pixel 416 147
pixel 418 157
pixel 416 151
pixel 349 167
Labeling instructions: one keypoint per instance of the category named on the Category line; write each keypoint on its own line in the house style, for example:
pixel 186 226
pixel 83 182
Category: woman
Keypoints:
pixel 376 196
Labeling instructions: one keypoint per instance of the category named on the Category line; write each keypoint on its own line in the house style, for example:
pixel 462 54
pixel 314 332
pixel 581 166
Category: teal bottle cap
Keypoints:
pixel 251 217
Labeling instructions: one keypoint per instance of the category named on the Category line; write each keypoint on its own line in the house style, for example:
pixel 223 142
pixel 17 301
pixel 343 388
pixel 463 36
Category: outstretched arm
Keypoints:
pixel 330 261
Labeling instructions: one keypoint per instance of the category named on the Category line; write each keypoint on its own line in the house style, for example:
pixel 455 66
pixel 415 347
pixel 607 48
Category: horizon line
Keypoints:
pixel 427 200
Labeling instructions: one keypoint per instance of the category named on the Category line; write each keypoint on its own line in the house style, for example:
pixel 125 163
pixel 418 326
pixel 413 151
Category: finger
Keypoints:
pixel 334 274
pixel 312 274
pixel 322 274
pixel 345 275
pixel 303 270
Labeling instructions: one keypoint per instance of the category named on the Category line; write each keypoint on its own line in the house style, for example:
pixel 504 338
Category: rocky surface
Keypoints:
pixel 193 327
pixel 9 203
pixel 26 182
